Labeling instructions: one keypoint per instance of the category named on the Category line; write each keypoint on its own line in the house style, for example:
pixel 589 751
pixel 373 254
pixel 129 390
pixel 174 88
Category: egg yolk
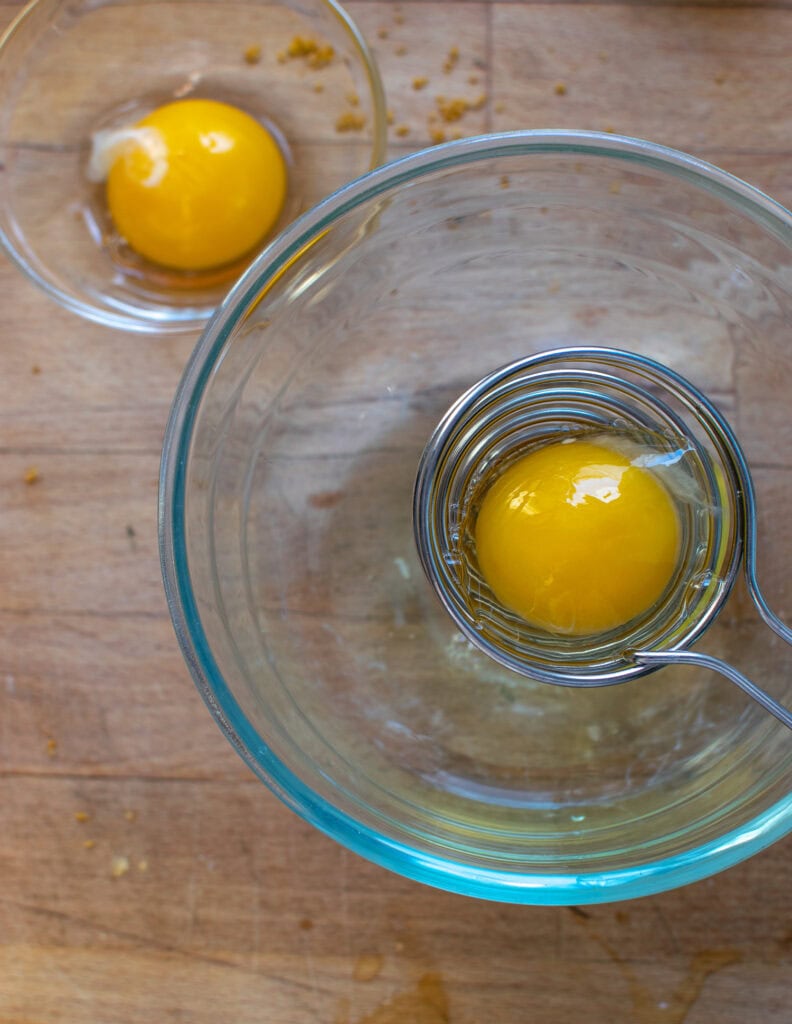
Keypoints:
pixel 196 184
pixel 577 539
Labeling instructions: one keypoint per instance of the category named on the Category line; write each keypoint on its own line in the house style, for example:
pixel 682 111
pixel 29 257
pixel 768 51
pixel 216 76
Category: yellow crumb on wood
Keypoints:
pixel 130 815
pixel 302 46
pixel 31 475
pixel 437 135
pixel 402 130
pixel 401 50
pixel 281 56
pixel 390 117
pixel 82 816
pixel 499 107
pixel 318 55
pixel 615 188
pixel 322 57
pixel 609 129
pixel 451 60
pixel 142 865
pixel 420 82
pixel 318 87
pixel 560 89
pixel 89 844
pixel 252 54
pixel 35 369
pixel 504 181
pixel 720 78
pixel 479 102
pixel 119 866
pixel 52 748
pixel 452 109
pixel 350 121
pixel 398 18
pixel 353 99
pixel 382 33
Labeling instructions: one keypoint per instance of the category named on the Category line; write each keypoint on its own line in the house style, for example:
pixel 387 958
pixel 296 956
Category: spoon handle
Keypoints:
pixel 725 669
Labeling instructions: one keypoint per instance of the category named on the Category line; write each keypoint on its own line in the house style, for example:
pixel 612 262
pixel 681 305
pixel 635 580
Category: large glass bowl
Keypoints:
pixel 70 69
pixel 287 542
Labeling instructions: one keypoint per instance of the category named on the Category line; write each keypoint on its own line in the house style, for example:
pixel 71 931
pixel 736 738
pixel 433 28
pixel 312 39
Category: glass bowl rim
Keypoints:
pixel 161 324
pixel 525 887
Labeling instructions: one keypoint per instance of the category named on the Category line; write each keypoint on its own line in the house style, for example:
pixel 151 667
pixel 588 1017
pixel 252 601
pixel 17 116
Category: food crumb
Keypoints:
pixel 451 60
pixel 252 54
pixel 401 50
pixel 322 57
pixel 402 130
pixel 367 967
pixel 473 79
pixel 31 475
pixel 420 82
pixel 35 369
pixel 350 121
pixel 452 110
pixel 720 78
pixel 317 55
pixel 560 89
pixel 281 56
pixel 52 748
pixel 504 181
pixel 382 33
pixel 318 87
pixel 82 816
pixel 398 18
pixel 353 99
pixel 142 865
pixel 615 188
pixel 130 815
pixel 499 107
pixel 302 46
pixel 457 136
pixel 437 135
pixel 89 844
pixel 119 866
pixel 390 117
pixel 610 129
pixel 306 924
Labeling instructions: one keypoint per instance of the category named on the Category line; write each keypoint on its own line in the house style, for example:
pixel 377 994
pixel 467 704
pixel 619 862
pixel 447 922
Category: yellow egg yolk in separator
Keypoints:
pixel 577 538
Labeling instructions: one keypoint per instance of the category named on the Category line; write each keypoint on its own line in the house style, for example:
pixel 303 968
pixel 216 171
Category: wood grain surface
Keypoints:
pixel 145 876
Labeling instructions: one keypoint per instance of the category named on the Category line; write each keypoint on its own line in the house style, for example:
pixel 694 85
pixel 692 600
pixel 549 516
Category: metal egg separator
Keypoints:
pixel 584 388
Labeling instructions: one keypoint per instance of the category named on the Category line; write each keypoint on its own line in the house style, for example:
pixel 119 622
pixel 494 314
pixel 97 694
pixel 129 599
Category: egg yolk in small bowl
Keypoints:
pixel 577 538
pixel 194 185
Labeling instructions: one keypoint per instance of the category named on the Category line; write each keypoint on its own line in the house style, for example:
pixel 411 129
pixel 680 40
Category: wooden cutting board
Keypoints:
pixel 145 876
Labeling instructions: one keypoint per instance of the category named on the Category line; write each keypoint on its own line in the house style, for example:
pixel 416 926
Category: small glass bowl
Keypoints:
pixel 286 527
pixel 71 69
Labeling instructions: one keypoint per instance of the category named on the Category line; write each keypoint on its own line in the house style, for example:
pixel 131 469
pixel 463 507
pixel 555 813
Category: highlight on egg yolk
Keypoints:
pixel 577 539
pixel 196 184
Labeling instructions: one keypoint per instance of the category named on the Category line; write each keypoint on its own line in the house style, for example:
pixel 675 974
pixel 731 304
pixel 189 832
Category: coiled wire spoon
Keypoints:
pixel 585 388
